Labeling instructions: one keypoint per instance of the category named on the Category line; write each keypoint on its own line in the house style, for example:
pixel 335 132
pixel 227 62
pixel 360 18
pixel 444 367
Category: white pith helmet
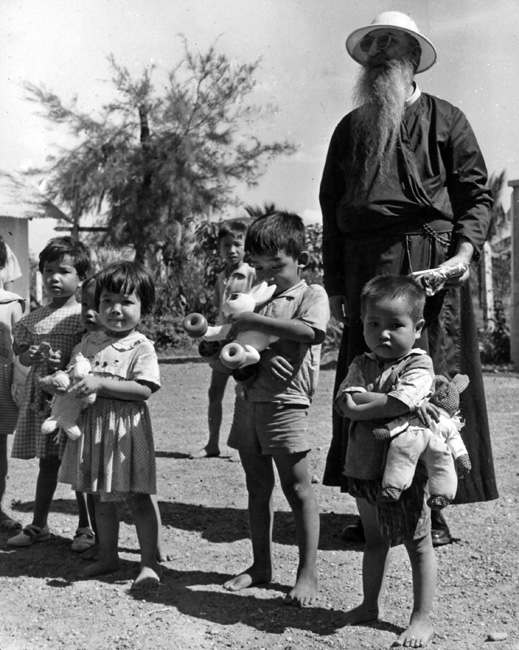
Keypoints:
pixel 392 20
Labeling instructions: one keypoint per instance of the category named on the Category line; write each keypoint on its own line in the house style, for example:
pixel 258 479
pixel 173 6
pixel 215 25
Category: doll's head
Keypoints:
pixel 447 393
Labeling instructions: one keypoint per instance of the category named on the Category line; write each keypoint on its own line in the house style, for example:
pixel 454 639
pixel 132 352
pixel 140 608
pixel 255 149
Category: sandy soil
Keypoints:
pixel 203 505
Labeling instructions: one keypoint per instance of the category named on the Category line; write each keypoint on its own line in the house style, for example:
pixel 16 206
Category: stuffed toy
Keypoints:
pixel 439 446
pixel 245 349
pixel 40 403
pixel 65 406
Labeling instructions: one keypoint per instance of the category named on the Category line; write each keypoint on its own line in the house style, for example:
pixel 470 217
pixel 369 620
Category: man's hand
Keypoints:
pixel 338 308
pixel 464 255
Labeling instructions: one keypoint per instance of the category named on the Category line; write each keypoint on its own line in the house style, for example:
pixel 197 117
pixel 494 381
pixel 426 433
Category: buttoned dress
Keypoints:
pixel 115 454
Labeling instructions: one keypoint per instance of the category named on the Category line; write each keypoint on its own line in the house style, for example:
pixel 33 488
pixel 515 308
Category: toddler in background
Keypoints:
pixel 237 277
pixel 63 264
pixel 114 458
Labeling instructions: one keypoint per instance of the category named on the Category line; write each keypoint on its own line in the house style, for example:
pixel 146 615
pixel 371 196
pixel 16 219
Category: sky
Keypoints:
pixel 304 71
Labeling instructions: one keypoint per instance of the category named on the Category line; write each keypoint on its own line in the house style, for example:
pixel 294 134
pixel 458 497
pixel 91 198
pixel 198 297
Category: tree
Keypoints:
pixel 161 157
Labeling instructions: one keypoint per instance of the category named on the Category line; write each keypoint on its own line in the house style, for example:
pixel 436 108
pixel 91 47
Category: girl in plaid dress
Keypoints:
pixel 63 264
pixel 114 459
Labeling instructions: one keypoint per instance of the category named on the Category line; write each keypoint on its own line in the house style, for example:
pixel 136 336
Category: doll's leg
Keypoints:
pixel 443 480
pixel 402 457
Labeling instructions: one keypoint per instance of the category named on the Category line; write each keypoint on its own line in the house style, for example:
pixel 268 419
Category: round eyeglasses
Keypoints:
pixel 382 42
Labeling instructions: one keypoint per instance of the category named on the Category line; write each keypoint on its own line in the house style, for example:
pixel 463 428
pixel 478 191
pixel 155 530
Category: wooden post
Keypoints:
pixel 487 289
pixel 514 314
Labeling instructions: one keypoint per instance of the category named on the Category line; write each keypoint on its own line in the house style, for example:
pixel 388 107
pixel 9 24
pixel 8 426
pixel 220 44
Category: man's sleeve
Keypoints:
pixel 467 183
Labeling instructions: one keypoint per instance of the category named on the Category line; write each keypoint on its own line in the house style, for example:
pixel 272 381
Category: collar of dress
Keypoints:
pixel 126 343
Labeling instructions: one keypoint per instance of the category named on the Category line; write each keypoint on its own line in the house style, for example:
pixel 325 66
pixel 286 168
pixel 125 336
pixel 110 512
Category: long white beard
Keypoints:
pixel 380 95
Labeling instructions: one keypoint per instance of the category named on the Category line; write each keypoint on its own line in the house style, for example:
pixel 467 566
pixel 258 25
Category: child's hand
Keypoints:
pixel 242 323
pixel 55 360
pixel 89 385
pixel 344 405
pixel 34 354
pixel 427 412
pixel 276 366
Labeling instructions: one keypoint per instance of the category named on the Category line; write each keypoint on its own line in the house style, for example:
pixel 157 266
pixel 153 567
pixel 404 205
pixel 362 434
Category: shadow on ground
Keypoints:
pixel 223 525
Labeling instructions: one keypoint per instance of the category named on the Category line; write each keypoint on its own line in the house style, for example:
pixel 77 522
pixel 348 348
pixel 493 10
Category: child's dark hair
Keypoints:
pixel 234 227
pixel 3 252
pixel 58 247
pixel 272 233
pixel 126 278
pixel 394 287
pixel 91 279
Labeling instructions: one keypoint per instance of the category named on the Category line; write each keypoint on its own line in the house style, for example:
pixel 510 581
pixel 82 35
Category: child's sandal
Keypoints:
pixel 83 540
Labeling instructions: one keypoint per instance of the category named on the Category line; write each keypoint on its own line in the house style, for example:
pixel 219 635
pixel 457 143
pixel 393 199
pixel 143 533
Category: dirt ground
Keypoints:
pixel 205 527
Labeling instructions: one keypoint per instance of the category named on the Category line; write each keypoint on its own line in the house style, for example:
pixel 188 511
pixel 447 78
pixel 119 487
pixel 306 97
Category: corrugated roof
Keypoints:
pixel 21 200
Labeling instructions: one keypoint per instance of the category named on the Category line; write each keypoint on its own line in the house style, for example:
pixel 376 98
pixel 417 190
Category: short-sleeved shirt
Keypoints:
pixel 408 379
pixel 240 280
pixel 309 304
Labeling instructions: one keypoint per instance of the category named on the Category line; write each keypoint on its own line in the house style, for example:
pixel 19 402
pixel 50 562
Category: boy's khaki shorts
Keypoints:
pixel 268 428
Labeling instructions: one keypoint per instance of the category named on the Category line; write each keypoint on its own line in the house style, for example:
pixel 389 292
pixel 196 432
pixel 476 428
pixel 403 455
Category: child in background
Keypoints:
pixel 237 277
pixel 11 310
pixel 390 381
pixel 270 417
pixel 85 538
pixel 114 459
pixel 9 266
pixel 63 263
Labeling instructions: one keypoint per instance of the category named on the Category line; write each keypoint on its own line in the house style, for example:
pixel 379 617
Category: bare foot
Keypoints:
pixel 248 578
pixel 304 592
pixel 91 553
pixel 164 554
pixel 99 568
pixel 147 579
pixel 418 634
pixel 205 452
pixel 361 614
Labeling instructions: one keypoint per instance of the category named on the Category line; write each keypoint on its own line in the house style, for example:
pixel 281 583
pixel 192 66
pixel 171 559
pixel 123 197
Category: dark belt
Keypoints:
pixel 429 229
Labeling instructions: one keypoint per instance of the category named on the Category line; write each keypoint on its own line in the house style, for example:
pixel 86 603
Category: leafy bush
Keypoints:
pixel 494 342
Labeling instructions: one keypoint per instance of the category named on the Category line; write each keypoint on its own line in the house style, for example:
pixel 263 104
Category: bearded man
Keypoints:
pixel 404 189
